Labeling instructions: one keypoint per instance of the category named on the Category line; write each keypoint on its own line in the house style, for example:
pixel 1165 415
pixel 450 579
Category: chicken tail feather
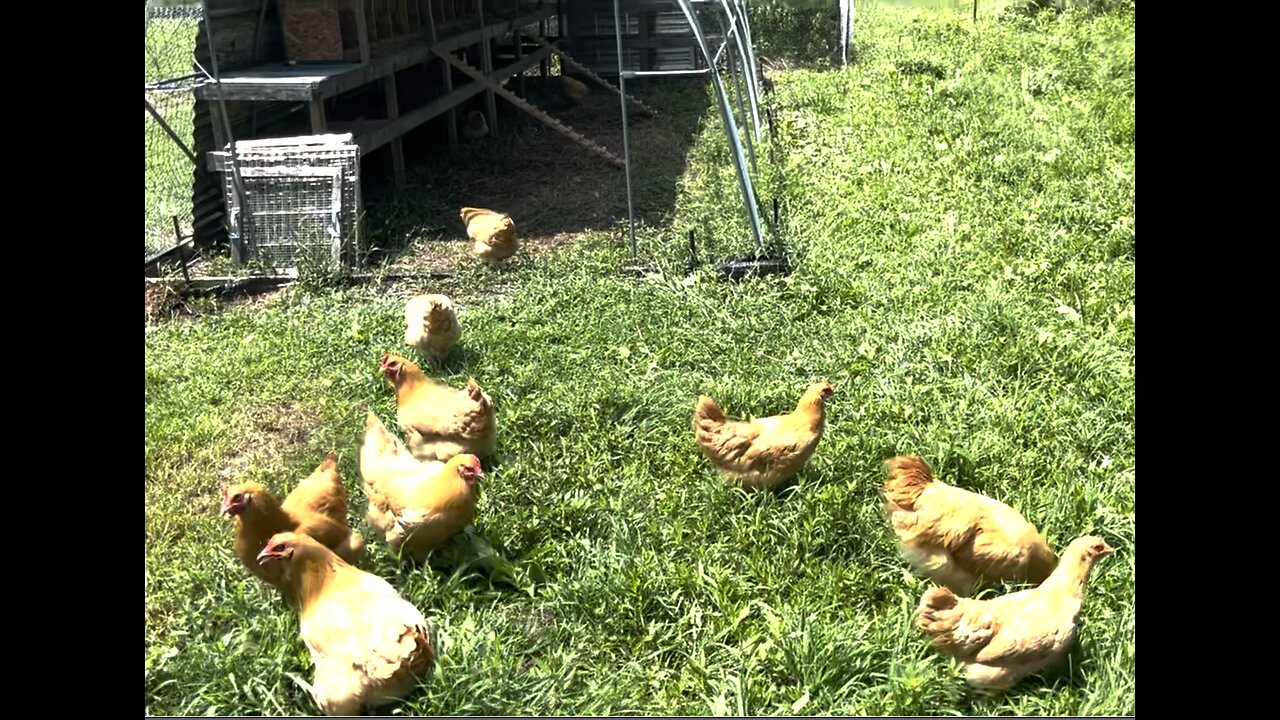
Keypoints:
pixel 907 477
pixel 708 411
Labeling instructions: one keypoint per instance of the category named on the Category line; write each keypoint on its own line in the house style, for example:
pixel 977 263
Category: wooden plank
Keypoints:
pixel 546 119
pixel 302 83
pixel 182 252
pixel 226 285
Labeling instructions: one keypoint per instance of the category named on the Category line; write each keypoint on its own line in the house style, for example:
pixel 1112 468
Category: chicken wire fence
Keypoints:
pixel 170 80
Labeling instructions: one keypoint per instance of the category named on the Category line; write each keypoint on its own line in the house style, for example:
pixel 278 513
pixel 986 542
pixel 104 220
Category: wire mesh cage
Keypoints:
pixel 301 204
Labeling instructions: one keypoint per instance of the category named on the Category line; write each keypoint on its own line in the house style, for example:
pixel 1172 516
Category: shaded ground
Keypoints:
pixel 551 187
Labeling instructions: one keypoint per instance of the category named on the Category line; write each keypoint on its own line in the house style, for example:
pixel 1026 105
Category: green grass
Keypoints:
pixel 961 204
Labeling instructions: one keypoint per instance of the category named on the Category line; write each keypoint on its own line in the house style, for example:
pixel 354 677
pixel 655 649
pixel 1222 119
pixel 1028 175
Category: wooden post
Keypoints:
pixel 217 122
pixel 182 260
pixel 515 33
pixel 402 13
pixel 486 65
pixel 544 67
pixel 317 116
pixel 393 112
pixel 362 31
pixel 446 72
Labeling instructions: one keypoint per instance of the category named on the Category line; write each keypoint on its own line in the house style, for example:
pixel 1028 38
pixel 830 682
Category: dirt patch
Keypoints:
pixel 273 433
pixel 167 301
pixel 157 302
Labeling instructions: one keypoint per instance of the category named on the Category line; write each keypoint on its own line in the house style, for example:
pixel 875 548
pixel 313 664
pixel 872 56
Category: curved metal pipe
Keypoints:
pixel 731 127
pixel 751 47
pixel 730 10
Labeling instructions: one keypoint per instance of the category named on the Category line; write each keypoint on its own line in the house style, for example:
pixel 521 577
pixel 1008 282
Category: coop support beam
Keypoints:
pixel 542 117
pixel 519 38
pixel 544 67
pixel 412 119
pixel 486 64
pixel 446 73
pixel 362 32
pixel 393 114
pixel 316 108
pixel 217 125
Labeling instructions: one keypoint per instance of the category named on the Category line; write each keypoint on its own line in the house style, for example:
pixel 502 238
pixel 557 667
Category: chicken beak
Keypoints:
pixel 266 555
pixel 1107 548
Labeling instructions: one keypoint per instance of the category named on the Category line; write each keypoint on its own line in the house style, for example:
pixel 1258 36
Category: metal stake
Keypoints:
pixel 626 140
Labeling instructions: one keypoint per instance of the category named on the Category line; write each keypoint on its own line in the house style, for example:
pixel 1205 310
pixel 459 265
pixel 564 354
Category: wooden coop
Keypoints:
pixel 655 36
pixel 374 69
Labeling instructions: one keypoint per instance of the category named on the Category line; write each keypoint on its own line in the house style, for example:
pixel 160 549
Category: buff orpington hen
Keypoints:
pixel 431 326
pixel 1002 640
pixel 573 90
pixel 493 235
pixel 764 452
pixel 417 506
pixel 369 645
pixel 958 538
pixel 439 421
pixel 317 507
pixel 475 126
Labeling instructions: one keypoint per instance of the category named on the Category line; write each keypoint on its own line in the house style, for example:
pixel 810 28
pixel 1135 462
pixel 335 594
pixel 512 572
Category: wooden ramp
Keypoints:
pixel 598 80
pixel 578 138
